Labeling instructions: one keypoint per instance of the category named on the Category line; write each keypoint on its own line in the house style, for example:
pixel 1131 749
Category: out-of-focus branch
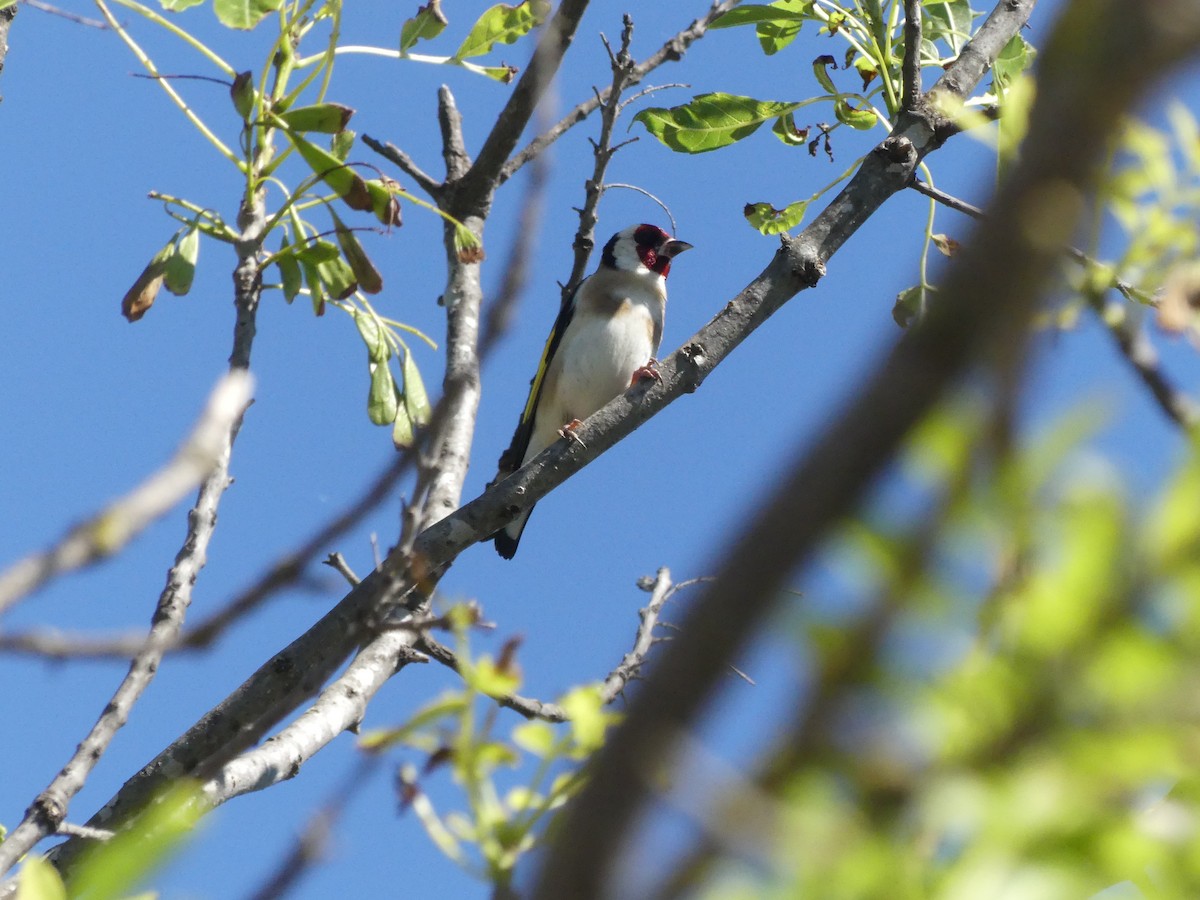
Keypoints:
pixel 218 425
pixel 1131 340
pixel 1098 61
pixel 671 51
pixel 107 532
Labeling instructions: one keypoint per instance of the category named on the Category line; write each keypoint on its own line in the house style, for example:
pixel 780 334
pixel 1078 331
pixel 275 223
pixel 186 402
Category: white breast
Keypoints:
pixel 597 357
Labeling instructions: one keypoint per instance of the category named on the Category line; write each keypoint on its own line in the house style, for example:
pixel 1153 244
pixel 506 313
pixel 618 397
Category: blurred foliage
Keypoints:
pixel 1014 710
pixel 510 782
pixel 110 869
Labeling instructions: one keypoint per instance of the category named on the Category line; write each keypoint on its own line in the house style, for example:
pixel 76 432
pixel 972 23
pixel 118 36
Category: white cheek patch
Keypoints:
pixel 626 256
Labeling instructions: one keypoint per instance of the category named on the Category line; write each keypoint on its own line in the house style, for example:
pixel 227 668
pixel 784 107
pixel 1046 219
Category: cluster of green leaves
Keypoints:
pixel 1152 194
pixel 459 729
pixel 1015 713
pixel 284 113
pixel 872 31
pixel 109 870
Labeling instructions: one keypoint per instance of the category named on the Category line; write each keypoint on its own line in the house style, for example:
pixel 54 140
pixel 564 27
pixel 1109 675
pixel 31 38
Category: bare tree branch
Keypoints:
pixel 1098 61
pixel 109 531
pixel 217 429
pixel 911 69
pixel 404 162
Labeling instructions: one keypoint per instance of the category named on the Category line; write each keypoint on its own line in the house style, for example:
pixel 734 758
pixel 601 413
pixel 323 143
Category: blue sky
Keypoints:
pixel 91 403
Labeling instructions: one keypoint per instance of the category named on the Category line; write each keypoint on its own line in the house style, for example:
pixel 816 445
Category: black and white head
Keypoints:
pixel 642 248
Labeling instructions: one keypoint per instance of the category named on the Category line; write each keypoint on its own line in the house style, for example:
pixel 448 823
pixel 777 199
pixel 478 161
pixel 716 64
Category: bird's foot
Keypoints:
pixel 648 372
pixel 568 432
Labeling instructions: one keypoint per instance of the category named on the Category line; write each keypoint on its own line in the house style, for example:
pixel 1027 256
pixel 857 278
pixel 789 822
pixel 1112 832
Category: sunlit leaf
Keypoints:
pixel 769 220
pixel 450 703
pixel 111 869
pixel 327 118
pixel 416 400
pixel 39 880
pixel 180 266
pixel 364 270
pixel 244 14
pixel 711 121
pixel 427 24
pixel 502 24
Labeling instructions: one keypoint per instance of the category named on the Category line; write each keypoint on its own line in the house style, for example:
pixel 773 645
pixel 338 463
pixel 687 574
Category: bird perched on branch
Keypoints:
pixel 603 342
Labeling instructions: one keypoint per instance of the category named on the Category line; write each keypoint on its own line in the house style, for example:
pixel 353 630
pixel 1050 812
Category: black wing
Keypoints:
pixel 510 459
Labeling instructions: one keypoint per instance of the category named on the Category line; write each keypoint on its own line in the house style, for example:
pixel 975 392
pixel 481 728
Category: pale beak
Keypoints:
pixel 671 249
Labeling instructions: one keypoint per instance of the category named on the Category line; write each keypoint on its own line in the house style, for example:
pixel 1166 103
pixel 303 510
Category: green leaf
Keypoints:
pixel 949 21
pixel 711 121
pixel 488 678
pixel 337 278
pixel 384 203
pixel 859 119
pixel 786 130
pixel 244 14
pixel 327 118
pixel 403 434
pixel 39 880
pixel 341 143
pixel 381 399
pixel 169 5
pixel 416 400
pixel 289 272
pixel 769 220
pixel 589 721
pixel 427 24
pixel 537 738
pixel 755 14
pixel 180 266
pixel 1015 58
pixel 317 251
pixel 110 870
pixel 316 289
pixel 819 69
pixel 364 270
pixel 909 305
pixel 342 179
pixel 502 24
pixel 451 703
pixel 242 93
pixel 773 36
pixel 371 332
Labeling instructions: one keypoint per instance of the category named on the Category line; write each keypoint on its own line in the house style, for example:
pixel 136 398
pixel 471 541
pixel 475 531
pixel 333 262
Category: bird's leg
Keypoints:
pixel 568 432
pixel 648 372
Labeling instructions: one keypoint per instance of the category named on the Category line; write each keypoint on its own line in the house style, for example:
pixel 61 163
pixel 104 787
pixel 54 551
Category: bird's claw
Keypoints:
pixel 568 432
pixel 648 372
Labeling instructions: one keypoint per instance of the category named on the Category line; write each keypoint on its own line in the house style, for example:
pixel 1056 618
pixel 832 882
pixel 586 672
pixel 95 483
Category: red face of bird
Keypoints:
pixel 642 246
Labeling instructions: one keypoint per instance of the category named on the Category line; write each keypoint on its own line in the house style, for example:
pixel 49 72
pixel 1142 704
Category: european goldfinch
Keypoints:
pixel 604 340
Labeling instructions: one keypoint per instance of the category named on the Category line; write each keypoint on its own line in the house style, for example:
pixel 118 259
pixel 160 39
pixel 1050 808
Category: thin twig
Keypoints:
pixel 672 50
pixel 405 163
pixel 62 13
pixel 49 808
pixel 602 151
pixel 644 192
